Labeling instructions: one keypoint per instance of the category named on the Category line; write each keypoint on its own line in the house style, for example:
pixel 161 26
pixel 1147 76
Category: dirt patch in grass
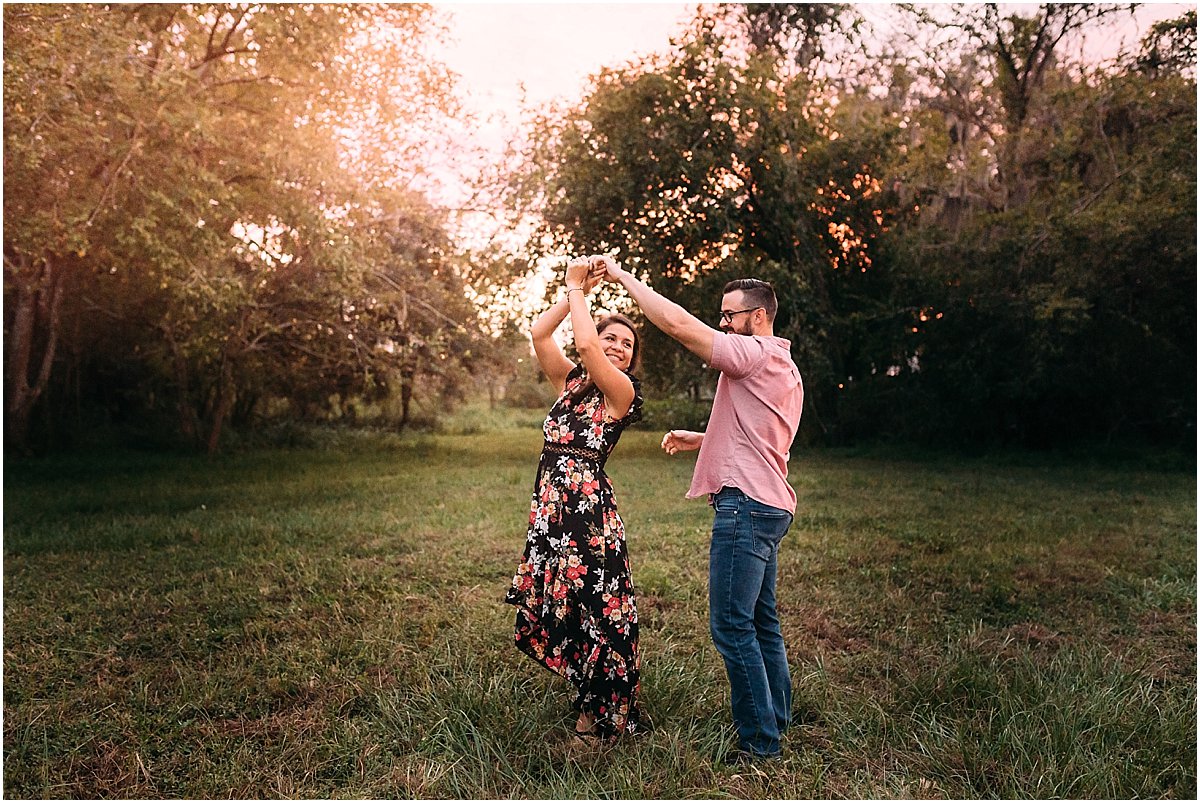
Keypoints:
pixel 1164 648
pixel 810 631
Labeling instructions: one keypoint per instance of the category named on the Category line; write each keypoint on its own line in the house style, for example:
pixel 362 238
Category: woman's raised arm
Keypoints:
pixel 612 381
pixel 549 354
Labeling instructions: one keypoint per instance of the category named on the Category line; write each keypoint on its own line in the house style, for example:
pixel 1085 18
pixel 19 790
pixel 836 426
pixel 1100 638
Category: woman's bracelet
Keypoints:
pixel 569 289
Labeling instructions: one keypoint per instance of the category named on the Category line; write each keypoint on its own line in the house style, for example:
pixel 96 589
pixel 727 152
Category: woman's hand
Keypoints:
pixel 577 273
pixel 593 280
pixel 597 268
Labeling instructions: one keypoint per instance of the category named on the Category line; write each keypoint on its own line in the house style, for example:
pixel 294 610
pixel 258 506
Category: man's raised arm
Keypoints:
pixel 672 319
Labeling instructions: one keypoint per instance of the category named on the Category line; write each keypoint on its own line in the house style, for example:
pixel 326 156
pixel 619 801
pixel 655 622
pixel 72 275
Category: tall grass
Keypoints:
pixel 325 621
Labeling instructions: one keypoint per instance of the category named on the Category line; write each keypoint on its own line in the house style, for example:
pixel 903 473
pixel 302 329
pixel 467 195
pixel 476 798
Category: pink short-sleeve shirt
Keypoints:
pixel 755 415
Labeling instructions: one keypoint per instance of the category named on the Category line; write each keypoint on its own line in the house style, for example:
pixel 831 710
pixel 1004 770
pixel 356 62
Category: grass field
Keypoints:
pixel 325 621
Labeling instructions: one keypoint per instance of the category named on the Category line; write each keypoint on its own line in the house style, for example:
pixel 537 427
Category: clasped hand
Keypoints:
pixel 587 272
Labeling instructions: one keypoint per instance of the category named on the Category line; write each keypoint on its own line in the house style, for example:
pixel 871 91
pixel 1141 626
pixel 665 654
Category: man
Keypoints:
pixel 742 469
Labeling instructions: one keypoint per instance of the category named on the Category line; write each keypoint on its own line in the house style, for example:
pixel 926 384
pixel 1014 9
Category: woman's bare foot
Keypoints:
pixel 587 735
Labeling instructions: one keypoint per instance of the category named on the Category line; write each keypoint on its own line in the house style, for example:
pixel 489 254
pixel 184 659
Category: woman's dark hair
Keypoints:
pixel 602 324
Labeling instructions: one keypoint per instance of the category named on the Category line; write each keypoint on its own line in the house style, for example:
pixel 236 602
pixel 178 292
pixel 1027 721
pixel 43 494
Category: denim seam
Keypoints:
pixel 738 544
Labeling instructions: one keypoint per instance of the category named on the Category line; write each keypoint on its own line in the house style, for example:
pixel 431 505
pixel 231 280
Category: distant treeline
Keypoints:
pixel 211 217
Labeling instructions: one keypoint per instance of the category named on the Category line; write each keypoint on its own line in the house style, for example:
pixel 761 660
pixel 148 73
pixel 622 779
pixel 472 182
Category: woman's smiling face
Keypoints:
pixel 618 342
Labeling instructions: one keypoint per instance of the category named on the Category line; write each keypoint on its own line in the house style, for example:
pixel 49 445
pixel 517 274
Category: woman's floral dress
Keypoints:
pixel 576 613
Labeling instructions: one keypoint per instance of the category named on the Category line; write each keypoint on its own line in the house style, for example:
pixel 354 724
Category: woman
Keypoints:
pixel 576 614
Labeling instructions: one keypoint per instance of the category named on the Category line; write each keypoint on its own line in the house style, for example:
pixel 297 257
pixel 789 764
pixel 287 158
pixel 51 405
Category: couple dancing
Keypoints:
pixel 576 609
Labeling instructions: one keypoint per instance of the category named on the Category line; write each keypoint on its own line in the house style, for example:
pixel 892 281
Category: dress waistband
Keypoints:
pixel 575 451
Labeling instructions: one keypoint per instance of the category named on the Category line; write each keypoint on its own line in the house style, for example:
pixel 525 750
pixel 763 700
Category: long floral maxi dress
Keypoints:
pixel 576 613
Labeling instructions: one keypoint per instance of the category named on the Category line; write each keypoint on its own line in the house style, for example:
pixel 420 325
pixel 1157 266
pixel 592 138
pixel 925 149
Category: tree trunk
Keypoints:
pixel 183 403
pixel 243 409
pixel 406 392
pixel 226 396
pixel 39 294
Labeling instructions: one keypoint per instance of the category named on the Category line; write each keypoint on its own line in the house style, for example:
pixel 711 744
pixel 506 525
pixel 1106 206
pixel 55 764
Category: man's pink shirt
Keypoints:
pixel 754 418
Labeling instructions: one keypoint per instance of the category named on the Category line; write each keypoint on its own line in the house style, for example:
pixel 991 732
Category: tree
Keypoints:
pixel 211 186
pixel 62 167
pixel 1047 288
pixel 1170 47
pixel 987 242
pixel 1011 56
pixel 705 166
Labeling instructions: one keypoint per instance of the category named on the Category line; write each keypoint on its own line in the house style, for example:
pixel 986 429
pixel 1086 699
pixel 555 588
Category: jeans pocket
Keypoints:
pixel 768 528
pixel 727 503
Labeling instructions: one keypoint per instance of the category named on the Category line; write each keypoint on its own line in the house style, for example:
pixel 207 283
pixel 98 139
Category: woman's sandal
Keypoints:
pixel 591 738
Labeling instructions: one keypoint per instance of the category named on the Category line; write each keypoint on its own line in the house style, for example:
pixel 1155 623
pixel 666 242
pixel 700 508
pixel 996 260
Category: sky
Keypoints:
pixel 511 56
pixel 514 55
pixel 550 48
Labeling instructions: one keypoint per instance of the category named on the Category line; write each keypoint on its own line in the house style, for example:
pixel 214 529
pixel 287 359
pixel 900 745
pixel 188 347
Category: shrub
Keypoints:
pixel 675 413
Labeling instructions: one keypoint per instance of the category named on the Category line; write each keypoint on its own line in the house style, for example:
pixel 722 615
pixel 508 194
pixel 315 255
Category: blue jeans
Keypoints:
pixel 742 617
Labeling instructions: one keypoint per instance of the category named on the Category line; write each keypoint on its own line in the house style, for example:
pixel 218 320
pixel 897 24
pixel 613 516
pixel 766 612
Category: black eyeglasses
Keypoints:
pixel 727 315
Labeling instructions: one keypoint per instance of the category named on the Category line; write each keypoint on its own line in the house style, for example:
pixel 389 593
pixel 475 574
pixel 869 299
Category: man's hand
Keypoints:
pixel 681 440
pixel 607 267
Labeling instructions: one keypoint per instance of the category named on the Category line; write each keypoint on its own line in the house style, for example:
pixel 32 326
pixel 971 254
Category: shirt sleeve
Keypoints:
pixel 737 356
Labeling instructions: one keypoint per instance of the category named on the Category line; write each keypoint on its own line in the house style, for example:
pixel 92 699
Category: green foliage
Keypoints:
pixel 536 395
pixel 990 244
pixel 210 218
pixel 1052 300
pixel 1171 46
pixel 325 621
pixel 661 415
pixel 223 191
pixel 702 168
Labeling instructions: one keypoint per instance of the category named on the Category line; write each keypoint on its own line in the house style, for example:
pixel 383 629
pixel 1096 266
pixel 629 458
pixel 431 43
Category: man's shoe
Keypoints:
pixel 744 758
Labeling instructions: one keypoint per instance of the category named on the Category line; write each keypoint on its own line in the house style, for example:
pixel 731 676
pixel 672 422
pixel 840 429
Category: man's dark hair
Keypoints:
pixel 757 293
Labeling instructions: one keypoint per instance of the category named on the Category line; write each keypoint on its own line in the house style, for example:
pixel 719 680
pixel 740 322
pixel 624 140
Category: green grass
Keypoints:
pixel 326 621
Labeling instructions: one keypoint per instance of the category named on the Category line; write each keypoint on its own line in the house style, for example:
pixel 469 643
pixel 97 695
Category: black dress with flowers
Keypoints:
pixel 576 613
